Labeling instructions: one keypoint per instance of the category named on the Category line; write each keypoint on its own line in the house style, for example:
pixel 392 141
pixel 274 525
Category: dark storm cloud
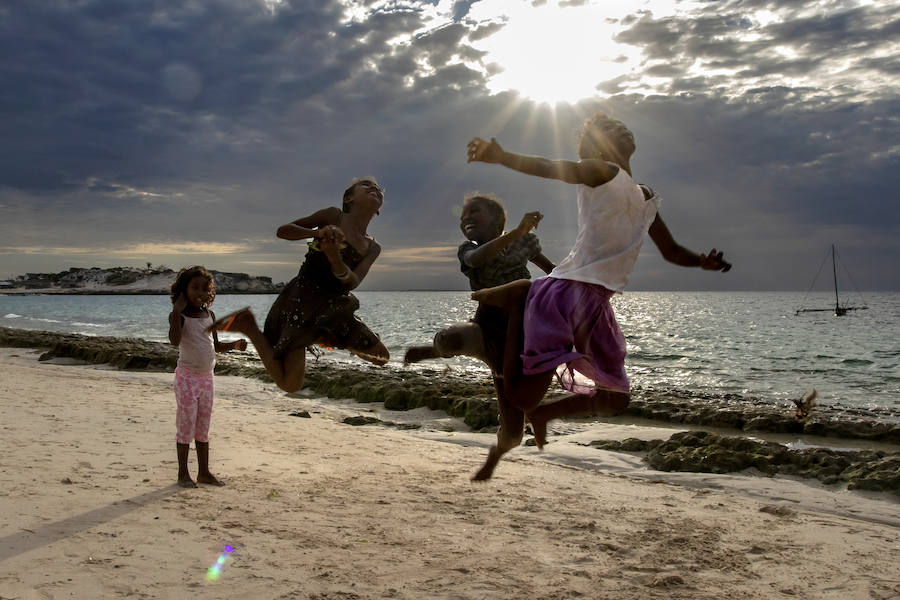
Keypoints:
pixel 165 122
pixel 92 89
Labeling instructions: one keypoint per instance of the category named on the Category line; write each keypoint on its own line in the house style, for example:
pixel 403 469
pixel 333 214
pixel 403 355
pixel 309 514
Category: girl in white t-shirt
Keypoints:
pixel 563 323
pixel 192 293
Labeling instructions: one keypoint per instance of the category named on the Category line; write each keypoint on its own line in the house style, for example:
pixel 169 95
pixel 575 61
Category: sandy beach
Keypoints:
pixel 315 508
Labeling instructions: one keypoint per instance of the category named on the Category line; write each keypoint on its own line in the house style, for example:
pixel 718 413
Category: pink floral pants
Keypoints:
pixel 194 397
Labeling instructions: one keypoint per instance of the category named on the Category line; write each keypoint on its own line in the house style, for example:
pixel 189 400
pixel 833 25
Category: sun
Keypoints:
pixel 552 53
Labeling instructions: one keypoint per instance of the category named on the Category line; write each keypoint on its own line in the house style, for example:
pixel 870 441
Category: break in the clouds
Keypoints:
pixel 185 132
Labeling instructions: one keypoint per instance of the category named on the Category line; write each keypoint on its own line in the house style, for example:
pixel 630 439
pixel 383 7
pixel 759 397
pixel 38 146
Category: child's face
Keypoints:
pixel 607 137
pixel 196 292
pixel 367 193
pixel 478 223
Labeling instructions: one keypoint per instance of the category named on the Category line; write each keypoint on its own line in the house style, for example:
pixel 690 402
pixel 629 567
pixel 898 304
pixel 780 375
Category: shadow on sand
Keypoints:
pixel 18 543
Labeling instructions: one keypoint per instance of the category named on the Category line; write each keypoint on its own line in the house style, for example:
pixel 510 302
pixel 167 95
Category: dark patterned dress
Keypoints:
pixel 315 308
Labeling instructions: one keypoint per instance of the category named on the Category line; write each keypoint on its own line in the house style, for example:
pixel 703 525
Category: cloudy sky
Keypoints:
pixel 185 131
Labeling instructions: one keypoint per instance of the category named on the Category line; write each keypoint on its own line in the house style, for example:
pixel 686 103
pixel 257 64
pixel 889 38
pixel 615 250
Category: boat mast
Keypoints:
pixel 837 306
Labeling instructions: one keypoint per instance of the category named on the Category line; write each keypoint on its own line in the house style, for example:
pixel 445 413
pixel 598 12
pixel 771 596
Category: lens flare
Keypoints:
pixel 215 571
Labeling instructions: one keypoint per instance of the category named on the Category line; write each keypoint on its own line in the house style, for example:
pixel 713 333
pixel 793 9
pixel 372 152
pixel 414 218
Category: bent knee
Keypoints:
pixel 291 384
pixel 448 343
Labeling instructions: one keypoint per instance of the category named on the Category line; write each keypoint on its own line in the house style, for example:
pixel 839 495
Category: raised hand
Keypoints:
pixel 331 246
pixel 714 261
pixel 529 221
pixel 479 150
pixel 180 304
pixel 330 233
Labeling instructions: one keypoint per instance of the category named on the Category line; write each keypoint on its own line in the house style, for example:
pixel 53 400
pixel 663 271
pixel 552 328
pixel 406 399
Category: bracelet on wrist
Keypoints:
pixel 344 275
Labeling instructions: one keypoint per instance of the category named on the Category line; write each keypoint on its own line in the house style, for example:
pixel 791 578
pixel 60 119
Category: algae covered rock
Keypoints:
pixel 705 452
pixel 882 475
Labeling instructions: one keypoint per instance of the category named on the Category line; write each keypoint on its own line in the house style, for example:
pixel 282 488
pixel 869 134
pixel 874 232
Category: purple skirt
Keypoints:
pixel 570 326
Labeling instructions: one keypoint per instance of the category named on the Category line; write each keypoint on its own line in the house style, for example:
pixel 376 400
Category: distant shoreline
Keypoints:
pixel 140 292
pixel 110 292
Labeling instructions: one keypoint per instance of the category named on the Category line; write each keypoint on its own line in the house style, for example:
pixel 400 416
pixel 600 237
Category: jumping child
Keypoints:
pixel 564 323
pixel 192 293
pixel 489 258
pixel 316 306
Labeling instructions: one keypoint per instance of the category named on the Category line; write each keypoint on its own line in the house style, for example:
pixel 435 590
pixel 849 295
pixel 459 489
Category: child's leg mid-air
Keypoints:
pixel 289 372
pixel 603 403
pixel 460 339
pixel 377 354
pixel 572 324
pixel 507 296
pixel 509 435
pixel 517 393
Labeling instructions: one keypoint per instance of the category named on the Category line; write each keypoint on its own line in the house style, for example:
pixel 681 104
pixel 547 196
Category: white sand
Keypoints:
pixel 321 510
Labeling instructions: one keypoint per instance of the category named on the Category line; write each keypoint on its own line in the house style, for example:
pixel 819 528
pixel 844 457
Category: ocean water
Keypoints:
pixel 747 343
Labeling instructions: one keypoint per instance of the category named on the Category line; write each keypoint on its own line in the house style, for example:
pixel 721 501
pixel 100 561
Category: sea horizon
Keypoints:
pixel 746 343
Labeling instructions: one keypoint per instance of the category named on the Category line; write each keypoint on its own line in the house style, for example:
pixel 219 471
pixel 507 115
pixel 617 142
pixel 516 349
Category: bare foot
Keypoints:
pixel 487 470
pixel 209 479
pixel 507 295
pixel 418 353
pixel 185 481
pixel 375 359
pixel 241 321
pixel 539 427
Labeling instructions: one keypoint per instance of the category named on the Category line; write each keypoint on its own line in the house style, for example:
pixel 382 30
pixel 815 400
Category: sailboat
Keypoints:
pixel 839 310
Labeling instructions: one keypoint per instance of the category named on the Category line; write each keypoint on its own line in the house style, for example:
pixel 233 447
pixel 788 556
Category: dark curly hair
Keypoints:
pixel 179 286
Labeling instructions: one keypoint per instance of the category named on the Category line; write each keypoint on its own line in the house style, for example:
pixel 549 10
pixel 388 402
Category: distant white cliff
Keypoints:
pixel 130 280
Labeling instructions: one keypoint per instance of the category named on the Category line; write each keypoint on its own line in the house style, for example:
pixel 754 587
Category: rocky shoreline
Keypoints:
pixel 474 402
pixel 705 452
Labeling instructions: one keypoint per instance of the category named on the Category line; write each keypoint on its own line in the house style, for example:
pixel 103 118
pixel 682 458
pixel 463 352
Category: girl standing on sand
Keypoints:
pixel 192 293
pixel 316 306
pixel 564 323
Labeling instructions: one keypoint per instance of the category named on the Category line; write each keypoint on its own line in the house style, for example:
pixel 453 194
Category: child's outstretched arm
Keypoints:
pixel 675 253
pixel 543 263
pixel 314 225
pixel 488 251
pixel 591 172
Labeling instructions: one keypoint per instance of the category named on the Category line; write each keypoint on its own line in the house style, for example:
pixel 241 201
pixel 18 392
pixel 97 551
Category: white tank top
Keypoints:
pixel 196 350
pixel 612 221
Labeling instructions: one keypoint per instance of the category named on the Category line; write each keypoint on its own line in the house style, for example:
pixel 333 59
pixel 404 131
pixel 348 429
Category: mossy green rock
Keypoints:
pixel 704 452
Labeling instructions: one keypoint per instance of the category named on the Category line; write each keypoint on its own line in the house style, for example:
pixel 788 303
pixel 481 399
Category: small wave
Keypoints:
pixel 78 324
pixel 38 319
pixel 12 316
pixel 856 361
pixel 649 356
